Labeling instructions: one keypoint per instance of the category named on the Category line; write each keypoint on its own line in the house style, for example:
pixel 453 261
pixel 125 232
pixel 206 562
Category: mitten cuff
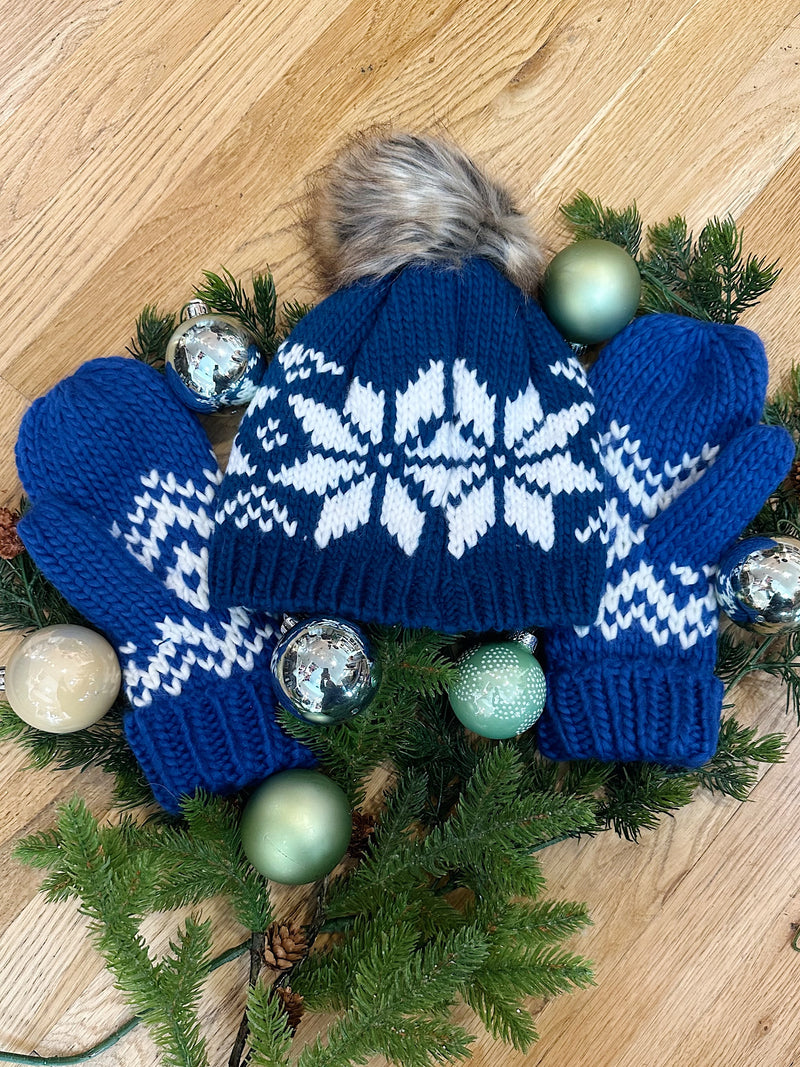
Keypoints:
pixel 220 738
pixel 632 711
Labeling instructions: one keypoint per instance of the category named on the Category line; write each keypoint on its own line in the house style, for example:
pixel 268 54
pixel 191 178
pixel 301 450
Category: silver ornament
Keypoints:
pixel 212 361
pixel 758 584
pixel 323 671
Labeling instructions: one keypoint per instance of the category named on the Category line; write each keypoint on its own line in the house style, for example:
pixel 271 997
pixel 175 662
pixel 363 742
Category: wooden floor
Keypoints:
pixel 143 142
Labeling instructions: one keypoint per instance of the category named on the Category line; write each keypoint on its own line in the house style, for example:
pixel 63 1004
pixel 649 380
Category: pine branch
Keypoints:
pixel 740 653
pixel 114 885
pixel 733 769
pixel 27 600
pixel 437 744
pixel 637 794
pixel 103 745
pixel 707 278
pixel 413 668
pixel 265 303
pixel 720 279
pixel 113 1038
pixel 588 218
pixel 400 992
pixel 153 331
pixel 291 313
pixel 224 294
pixel 194 860
pixel 270 1037
pixel 486 845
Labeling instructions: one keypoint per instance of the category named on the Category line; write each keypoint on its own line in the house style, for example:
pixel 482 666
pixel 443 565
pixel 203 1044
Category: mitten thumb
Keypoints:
pixel 703 519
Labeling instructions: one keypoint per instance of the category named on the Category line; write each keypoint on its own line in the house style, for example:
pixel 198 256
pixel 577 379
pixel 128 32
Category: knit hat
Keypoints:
pixel 420 449
pixel 688 468
pixel 122 481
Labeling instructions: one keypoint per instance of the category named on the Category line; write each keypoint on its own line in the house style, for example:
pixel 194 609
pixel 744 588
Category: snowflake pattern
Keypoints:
pixel 356 468
pixel 666 601
pixel 167 532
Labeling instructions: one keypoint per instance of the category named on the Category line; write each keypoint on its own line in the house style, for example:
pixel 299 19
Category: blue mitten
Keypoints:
pixel 123 481
pixel 688 467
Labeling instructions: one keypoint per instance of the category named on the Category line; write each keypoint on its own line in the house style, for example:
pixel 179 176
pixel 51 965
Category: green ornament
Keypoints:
pixel 499 690
pixel 296 827
pixel 591 290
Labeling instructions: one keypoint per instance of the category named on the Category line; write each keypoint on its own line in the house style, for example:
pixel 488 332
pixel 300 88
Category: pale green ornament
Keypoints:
pixel 296 827
pixel 591 290
pixel 499 690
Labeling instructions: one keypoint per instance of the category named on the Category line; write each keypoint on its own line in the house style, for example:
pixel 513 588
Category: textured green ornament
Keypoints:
pixel 591 290
pixel 296 827
pixel 499 690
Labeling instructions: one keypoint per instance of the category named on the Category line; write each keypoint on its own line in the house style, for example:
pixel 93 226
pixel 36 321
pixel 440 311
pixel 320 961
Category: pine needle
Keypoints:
pixel 153 331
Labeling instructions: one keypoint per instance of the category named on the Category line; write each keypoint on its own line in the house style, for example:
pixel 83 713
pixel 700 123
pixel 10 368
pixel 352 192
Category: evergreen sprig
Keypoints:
pixel 102 745
pixel 638 794
pixel 114 882
pixel 733 769
pixel 706 277
pixel 399 994
pixel 153 331
pixel 520 956
pixel 413 668
pixel 589 218
pixel 27 600
pixel 271 1038
pixel 506 949
pixel 224 294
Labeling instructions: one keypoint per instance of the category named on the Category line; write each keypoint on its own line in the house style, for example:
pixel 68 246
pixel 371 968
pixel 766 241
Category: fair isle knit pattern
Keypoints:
pixel 419 452
pixel 123 483
pixel 688 467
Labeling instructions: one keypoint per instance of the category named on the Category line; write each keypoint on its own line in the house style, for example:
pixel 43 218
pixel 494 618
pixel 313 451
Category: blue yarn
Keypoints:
pixel 688 467
pixel 419 452
pixel 123 483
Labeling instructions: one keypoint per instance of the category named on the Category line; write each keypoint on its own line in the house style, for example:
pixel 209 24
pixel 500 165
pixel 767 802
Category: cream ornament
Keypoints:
pixel 62 678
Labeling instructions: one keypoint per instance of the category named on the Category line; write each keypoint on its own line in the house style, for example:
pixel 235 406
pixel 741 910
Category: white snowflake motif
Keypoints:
pixel 667 601
pixel 167 532
pixel 446 464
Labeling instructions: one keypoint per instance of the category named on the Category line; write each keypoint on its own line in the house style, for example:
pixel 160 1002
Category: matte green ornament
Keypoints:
pixel 296 827
pixel 499 690
pixel 591 290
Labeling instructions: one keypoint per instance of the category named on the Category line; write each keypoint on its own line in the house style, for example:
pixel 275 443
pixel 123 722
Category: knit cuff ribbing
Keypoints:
pixel 485 590
pixel 220 738
pixel 632 711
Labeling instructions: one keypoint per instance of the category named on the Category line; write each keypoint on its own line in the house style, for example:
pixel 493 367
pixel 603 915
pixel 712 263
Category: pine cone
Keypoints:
pixel 284 945
pixel 10 543
pixel 363 829
pixel 292 1004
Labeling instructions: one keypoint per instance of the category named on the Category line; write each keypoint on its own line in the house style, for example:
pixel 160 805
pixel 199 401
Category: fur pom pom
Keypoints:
pixel 392 199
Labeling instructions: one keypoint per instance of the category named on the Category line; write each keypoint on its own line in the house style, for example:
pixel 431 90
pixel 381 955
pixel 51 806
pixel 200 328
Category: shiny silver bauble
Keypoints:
pixel 324 671
pixel 212 362
pixel 758 584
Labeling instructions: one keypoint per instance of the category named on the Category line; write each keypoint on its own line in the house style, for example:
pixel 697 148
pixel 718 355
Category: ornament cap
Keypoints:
pixel 194 309
pixel 526 638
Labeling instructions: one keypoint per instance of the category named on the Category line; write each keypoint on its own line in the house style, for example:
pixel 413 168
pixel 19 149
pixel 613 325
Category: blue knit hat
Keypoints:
pixel 420 450
pixel 688 467
pixel 122 481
